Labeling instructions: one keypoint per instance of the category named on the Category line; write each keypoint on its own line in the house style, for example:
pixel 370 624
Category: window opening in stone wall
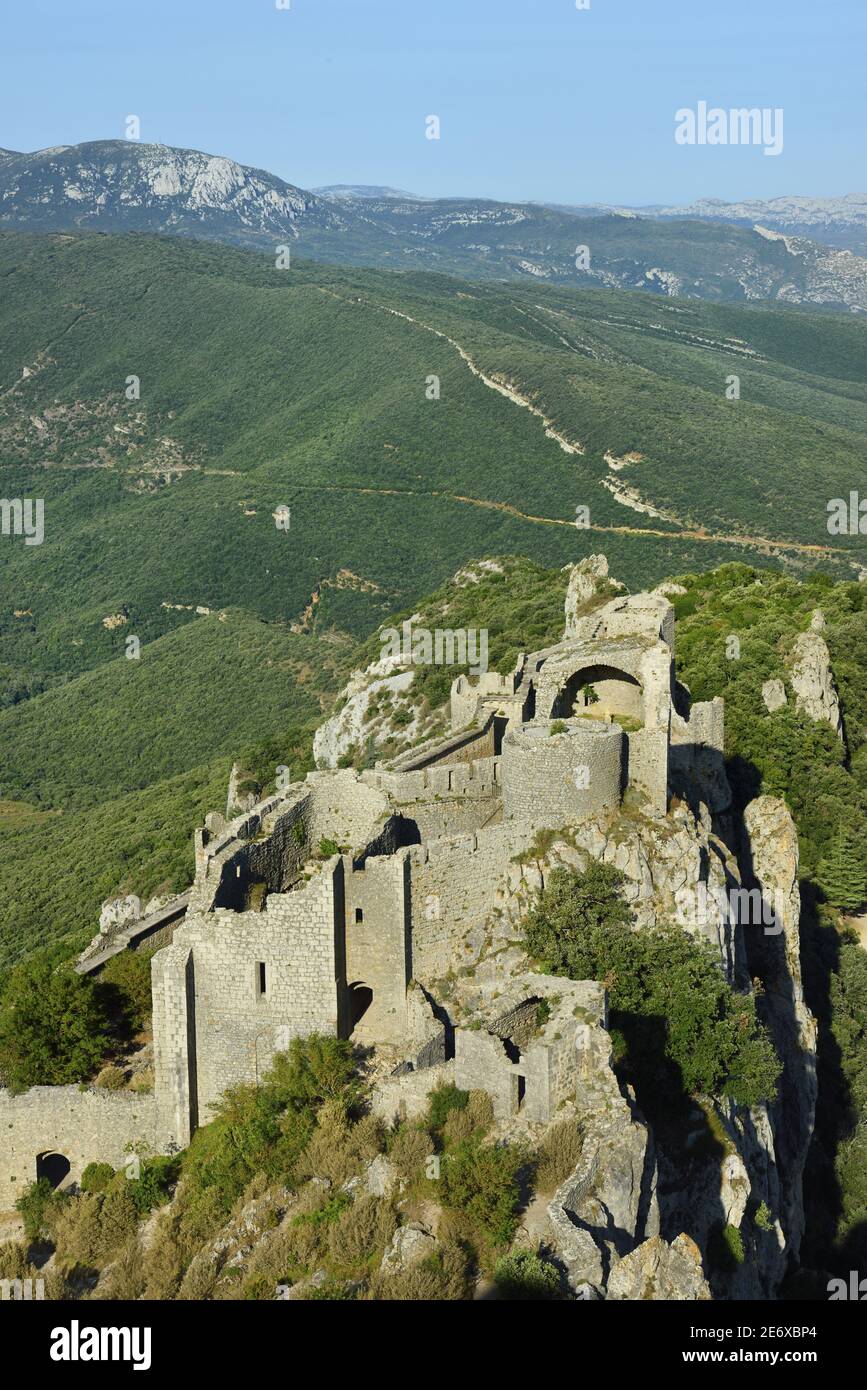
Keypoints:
pixel 261 979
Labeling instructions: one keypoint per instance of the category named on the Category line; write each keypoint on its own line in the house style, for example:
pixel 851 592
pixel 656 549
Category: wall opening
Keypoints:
pixel 360 1000
pixel 261 979
pixel 601 692
pixel 53 1166
pixel 359 914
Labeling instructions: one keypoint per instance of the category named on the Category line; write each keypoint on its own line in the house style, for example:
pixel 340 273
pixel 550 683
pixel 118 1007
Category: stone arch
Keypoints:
pixel 54 1166
pixel 617 693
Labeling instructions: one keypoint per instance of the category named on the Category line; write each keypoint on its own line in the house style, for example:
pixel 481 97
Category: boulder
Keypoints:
pixel 774 695
pixel 813 680
pixel 657 1270
pixel 117 913
pixel 409 1244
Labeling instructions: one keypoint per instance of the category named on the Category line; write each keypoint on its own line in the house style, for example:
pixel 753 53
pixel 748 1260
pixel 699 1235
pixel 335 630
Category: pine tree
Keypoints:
pixel 842 874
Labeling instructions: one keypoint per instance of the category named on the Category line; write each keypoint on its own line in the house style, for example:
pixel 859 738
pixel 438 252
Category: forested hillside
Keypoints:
pixel 167 399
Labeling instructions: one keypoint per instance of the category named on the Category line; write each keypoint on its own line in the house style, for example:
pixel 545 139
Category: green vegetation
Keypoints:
pixel 525 1276
pixel 109 762
pixel 824 782
pixel 686 1032
pixel 52 1028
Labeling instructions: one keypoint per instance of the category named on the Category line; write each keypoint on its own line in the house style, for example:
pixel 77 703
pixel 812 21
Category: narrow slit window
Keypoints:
pixel 359 915
pixel 261 979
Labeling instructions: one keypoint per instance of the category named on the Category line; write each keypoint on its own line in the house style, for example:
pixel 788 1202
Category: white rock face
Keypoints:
pixel 774 695
pixel 119 912
pixel 237 800
pixel 773 851
pixel 349 728
pixel 586 579
pixel 409 1244
pixel 813 680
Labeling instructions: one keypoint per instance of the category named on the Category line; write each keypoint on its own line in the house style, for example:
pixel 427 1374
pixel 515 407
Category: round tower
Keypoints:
pixel 556 771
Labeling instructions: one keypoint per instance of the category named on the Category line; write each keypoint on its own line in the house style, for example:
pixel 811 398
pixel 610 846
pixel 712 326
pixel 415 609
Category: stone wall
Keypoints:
pixel 378 951
pixel 444 799
pixel 454 886
pixel 529 1065
pixel 237 1025
pixel 543 773
pixel 85 1126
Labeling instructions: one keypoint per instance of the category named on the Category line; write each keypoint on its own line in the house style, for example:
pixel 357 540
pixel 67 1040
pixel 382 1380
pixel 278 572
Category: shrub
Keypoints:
pixel 153 1186
pixel 726 1248
pixel 361 1231
pixel 111 1078
pixel 475 1118
pixel 764 1219
pixel 558 1156
pixel 125 986
pixel 481 1180
pixel 442 1101
pixel 337 1148
pixel 524 1275
pixel 15 1260
pixel 96 1177
pixel 444 1275
pixel 38 1205
pixel 409 1150
pixel 686 1031
pixel 53 1029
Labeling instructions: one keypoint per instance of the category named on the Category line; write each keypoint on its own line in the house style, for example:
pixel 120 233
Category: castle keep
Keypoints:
pixel 368 905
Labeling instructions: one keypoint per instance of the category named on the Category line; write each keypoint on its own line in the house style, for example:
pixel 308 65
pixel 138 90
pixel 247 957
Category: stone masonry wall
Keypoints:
pixel 540 771
pixel 454 885
pixel 444 799
pixel 377 943
pixel 86 1126
pixel 237 1028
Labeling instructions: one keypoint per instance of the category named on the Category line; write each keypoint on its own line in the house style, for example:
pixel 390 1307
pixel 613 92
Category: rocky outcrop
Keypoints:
pixel 243 793
pixel 608 1204
pixel 376 688
pixel 813 681
pixel 774 695
pixel 657 1270
pixel 409 1244
pixel 588 579
pixel 770 858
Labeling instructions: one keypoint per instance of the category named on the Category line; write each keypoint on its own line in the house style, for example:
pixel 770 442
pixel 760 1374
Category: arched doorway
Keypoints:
pixel 600 691
pixel 360 1000
pixel 53 1166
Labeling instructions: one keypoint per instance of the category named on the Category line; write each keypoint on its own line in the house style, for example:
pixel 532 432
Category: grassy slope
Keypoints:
pixel 109 773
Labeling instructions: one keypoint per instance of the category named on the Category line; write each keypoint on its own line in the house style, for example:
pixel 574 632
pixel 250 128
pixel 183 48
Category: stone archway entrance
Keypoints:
pixel 600 691
pixel 53 1166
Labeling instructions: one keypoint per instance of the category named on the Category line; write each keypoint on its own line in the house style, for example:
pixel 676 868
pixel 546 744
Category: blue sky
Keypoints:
pixel 536 98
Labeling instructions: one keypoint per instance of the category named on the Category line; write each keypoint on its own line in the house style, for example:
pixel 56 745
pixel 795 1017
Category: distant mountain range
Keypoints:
pixel 715 251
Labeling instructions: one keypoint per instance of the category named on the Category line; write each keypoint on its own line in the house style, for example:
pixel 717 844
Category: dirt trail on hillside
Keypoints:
pixel 684 533
pixel 572 446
